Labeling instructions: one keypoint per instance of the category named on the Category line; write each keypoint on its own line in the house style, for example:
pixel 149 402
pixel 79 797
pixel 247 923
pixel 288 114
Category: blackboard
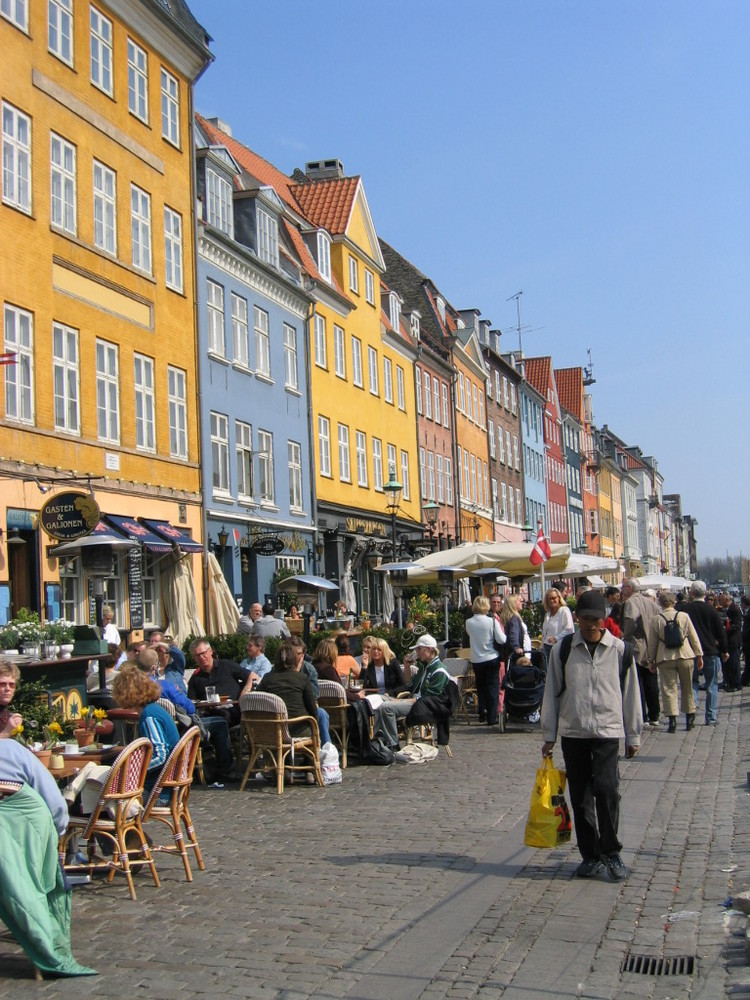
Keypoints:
pixel 135 587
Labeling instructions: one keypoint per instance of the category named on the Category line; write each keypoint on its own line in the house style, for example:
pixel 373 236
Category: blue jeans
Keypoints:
pixel 325 736
pixel 218 730
pixel 711 666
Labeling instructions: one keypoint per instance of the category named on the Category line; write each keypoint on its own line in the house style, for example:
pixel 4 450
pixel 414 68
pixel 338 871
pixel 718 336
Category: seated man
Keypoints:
pixel 9 678
pixel 256 664
pixel 171 660
pixel 431 701
pixel 269 625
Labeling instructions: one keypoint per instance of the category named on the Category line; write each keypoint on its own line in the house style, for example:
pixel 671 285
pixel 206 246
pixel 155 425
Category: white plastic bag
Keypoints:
pixel 329 765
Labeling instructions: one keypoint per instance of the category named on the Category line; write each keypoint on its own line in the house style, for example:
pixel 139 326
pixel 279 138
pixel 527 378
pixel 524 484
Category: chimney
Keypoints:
pixel 324 170
pixel 221 125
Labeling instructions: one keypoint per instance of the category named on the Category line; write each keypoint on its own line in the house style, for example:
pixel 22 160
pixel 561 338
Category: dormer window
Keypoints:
pixel 268 237
pixel 324 255
pixel 219 202
pixel 395 310
pixel 440 303
pixel 415 325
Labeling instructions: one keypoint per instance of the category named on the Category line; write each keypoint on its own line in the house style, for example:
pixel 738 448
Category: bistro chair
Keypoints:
pixel 461 669
pixel 116 814
pixel 173 784
pixel 266 723
pixel 333 699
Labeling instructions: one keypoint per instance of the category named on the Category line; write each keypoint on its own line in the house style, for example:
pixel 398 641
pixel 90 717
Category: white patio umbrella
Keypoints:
pixel 222 613
pixel 179 599
pixel 659 581
pixel 510 557
pixel 347 588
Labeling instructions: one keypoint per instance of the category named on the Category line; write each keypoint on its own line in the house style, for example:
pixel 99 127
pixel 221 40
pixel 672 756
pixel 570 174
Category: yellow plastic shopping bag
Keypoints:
pixel 548 824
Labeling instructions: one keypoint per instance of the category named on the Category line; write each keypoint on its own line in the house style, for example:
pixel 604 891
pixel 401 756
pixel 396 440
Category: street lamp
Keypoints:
pixel 393 489
pixel 527 530
pixel 430 511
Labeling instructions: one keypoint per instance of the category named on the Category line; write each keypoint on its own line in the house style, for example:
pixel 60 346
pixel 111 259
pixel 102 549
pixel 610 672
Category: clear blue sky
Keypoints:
pixel 595 155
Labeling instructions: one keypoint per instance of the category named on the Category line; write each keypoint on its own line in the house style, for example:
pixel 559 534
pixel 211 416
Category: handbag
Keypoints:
pixel 548 824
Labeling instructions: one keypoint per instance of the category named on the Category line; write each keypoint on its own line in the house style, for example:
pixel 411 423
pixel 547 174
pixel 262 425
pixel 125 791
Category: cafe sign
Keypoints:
pixel 267 544
pixel 70 515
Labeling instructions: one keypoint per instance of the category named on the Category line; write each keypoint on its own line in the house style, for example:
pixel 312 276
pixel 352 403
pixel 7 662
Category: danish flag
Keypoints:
pixel 541 551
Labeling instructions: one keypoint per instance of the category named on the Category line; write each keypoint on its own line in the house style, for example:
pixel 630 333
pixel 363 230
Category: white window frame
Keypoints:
pixel 387 380
pixel 107 392
pixel 491 435
pixel 361 453
pixel 60 29
pixel 461 393
pixel 170 107
pixel 495 501
pixel 481 410
pixel 474 403
pixel 294 455
pixel 339 351
pixel 418 385
pixel 262 342
pixel 508 448
pixel 265 481
pixel 345 470
pixel 17 12
pixel 428 395
pixel 66 379
pixel 369 287
pixel 144 403
pixel 219 428
pixel 140 228
pixel 406 489
pixel 16 158
pixel 394 310
pixel 504 501
pixel 215 318
pixel 423 471
pixel 473 461
pixel 219 202
pixel 516 457
pixel 400 388
pixel 324 255
pixel 137 81
pixel 324 446
pixel 431 476
pixel 448 482
pixel 391 460
pixel 240 332
pixel 105 208
pixel 353 275
pixel 177 400
pixel 377 464
pixel 172 249
pixel 243 451
pixel 357 375
pixel 291 376
pixel 101 50
pixel 321 348
pixel 439 488
pixel 62 165
pixel 268 237
pixel 19 377
pixel 500 444
pixel 372 366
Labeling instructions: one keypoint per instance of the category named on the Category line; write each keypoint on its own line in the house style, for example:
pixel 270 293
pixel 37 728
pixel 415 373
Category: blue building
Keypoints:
pixel 532 444
pixel 253 372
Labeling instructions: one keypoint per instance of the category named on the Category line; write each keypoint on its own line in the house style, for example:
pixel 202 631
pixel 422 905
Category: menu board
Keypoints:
pixel 135 586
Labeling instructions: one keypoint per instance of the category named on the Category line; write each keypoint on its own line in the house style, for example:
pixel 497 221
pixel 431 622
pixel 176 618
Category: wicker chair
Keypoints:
pixel 121 796
pixel 333 699
pixel 463 672
pixel 175 779
pixel 265 720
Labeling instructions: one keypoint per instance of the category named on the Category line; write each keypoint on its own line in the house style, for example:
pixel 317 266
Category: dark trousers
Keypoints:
pixel 732 669
pixel 649 682
pixel 746 671
pixel 432 708
pixel 593 780
pixel 487 676
pixel 218 731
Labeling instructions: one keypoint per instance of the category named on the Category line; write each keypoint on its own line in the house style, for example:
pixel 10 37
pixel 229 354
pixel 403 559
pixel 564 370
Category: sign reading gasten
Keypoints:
pixel 68 516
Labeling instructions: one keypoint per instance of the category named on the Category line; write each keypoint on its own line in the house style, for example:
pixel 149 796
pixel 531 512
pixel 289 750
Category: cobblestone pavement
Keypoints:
pixel 414 882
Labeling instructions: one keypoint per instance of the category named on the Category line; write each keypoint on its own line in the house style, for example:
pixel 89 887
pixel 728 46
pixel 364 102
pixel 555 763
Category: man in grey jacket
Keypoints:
pixel 638 612
pixel 591 701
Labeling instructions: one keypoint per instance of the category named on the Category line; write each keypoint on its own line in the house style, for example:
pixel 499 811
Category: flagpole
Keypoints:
pixel 541 565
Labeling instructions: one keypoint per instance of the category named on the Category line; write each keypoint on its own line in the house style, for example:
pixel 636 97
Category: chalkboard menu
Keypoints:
pixel 135 586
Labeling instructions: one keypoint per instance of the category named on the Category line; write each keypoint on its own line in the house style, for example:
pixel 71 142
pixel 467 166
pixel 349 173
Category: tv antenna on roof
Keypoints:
pixel 588 371
pixel 517 299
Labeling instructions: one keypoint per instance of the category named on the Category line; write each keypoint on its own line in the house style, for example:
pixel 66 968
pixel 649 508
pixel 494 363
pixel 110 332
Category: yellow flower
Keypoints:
pixel 56 728
pixel 100 713
pixel 85 710
pixel 17 731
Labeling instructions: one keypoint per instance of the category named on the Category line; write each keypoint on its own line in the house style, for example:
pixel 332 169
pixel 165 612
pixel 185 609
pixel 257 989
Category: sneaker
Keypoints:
pixel 653 724
pixel 534 717
pixel 589 868
pixel 615 868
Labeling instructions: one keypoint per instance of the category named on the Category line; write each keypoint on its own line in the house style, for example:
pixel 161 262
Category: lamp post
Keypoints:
pixel 527 531
pixel 393 489
pixel 430 510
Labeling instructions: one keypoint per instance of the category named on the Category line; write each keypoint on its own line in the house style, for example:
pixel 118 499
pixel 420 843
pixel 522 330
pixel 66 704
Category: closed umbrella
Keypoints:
pixel 222 613
pixel 179 600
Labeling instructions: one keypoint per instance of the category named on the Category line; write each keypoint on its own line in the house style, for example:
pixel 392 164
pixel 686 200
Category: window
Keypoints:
pixel 481 409
pixel 513 402
pixel 361 449
pixel 377 464
pixel 400 388
pixel 172 249
pixel 461 391
pixel 321 359
pixel 101 51
pixel 414 325
pixel 262 343
pixel 150 580
pixel 449 482
pixel 143 381
pixel 219 202
pixel 240 338
pixel 500 445
pixel 16 158
pixel 405 475
pixel 387 380
pixel 345 474
pixel 418 383
pixel 369 287
pixel 170 108
pixel 372 361
pixel 137 81
pixel 505 393
pixel 473 478
pixel 294 455
pixel 324 445
pixel 324 256
pixel 107 392
pixel 508 448
pixel 391 460
pixel 220 452
pixel 395 310
pixel 486 481
pixel 60 29
pixel 493 451
pixel 488 386
pixel 105 208
pixel 497 386
pixel 427 396
pixel 516 460
pixel 511 504
pixel 518 504
pixel 474 407
pixel 19 377
pixel 446 408
pixel 504 501
pixel 423 472
pixel 215 315
pixel 62 184
pixel 16 11
pixel 339 353
pixel 467 480
pixel 176 395
pixel 357 362
pixel 65 378
pixel 439 478
pixel 243 444
pixel 495 504
pixel 140 228
pixel 290 357
pixel 431 475
pixel 268 238
pixel 353 275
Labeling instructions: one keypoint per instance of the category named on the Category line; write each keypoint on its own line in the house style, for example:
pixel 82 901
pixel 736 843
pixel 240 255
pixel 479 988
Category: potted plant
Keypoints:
pixel 30 632
pixel 10 638
pixel 42 748
pixel 61 633
pixel 90 725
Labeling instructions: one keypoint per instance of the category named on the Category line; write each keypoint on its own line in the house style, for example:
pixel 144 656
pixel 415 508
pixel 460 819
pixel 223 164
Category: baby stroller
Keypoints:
pixel 523 685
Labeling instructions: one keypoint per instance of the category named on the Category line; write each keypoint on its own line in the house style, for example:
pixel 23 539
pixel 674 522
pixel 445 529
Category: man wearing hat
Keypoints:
pixel 591 701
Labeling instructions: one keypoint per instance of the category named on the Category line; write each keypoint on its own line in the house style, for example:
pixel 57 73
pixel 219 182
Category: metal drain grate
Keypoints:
pixel 650 965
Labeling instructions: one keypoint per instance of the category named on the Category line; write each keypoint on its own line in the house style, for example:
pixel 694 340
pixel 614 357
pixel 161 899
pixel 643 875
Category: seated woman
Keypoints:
pixel 293 687
pixel 346 665
pixel 383 672
pixel 10 675
pixel 134 689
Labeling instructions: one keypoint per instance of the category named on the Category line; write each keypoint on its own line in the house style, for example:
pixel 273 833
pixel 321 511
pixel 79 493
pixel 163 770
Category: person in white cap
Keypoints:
pixel 434 691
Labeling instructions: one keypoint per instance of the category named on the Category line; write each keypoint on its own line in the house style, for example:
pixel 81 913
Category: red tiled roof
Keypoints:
pixel 632 462
pixel 538 373
pixel 570 390
pixel 327 204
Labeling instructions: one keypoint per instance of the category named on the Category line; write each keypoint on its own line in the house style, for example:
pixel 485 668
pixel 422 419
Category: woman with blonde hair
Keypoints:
pixel 517 634
pixel 383 673
pixel 558 621
pixel 485 635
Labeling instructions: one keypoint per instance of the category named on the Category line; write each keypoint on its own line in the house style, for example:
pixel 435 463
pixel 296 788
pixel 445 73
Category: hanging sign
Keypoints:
pixel 267 545
pixel 70 515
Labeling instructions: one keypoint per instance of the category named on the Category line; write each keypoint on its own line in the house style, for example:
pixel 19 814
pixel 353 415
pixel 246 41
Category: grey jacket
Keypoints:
pixel 592 706
pixel 637 614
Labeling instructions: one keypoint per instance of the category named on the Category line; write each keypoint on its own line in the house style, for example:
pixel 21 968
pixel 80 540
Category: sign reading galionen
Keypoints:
pixel 70 515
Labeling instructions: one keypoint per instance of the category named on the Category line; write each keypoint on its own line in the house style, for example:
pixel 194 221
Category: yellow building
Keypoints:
pixel 472 461
pixel 97 286
pixel 362 386
pixel 606 523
